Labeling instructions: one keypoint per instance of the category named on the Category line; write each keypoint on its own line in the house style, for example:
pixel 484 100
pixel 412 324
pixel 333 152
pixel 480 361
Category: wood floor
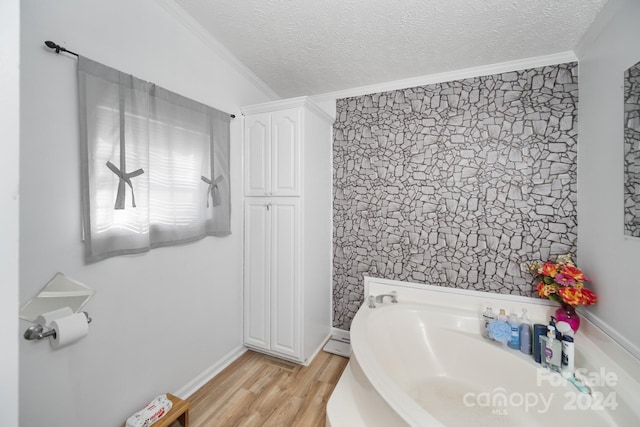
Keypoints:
pixel 259 390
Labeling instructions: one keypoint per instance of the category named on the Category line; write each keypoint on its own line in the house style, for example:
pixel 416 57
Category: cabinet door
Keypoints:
pixel 285 277
pixel 257 230
pixel 285 152
pixel 257 155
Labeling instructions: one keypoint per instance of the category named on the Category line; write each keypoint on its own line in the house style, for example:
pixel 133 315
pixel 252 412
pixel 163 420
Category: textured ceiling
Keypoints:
pixel 309 47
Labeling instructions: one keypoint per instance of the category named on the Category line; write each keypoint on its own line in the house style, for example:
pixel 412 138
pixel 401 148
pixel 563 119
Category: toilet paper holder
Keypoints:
pixel 37 332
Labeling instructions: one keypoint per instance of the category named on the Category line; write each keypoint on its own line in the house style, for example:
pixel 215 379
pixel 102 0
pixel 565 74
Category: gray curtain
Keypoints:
pixel 155 165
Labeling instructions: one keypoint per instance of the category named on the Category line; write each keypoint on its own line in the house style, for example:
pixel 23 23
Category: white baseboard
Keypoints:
pixel 193 385
pixel 317 350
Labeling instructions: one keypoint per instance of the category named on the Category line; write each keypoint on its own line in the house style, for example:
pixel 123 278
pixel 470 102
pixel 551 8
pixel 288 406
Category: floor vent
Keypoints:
pixel 282 364
pixel 338 345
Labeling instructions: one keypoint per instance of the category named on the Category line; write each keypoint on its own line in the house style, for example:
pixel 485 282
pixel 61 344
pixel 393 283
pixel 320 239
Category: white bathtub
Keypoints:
pixel 420 364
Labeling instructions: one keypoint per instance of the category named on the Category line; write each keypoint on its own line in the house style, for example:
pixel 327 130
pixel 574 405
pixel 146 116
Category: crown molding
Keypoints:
pixel 218 48
pixel 283 104
pixel 483 70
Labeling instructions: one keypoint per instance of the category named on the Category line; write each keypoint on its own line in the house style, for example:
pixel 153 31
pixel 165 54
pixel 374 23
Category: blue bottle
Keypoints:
pixel 525 333
pixel 514 339
pixel 539 330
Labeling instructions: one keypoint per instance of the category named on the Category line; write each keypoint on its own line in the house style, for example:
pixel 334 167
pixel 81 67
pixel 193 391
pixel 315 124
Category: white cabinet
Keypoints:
pixel 257 274
pixel 272 148
pixel 287 228
pixel 272 257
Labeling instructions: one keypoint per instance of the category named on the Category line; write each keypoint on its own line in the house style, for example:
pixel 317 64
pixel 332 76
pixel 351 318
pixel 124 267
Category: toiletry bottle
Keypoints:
pixel 514 339
pixel 525 333
pixel 487 316
pixel 563 328
pixel 502 316
pixel 539 331
pixel 552 357
pixel 568 351
pixel 568 354
pixel 552 322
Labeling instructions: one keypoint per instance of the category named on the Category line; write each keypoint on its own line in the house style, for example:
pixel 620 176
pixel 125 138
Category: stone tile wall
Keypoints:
pixel 455 184
pixel 632 151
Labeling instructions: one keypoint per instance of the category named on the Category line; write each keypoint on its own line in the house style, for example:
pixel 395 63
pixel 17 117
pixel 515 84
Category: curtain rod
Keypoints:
pixel 58 49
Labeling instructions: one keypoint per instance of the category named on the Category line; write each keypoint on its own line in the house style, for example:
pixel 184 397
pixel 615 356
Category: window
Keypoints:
pixel 155 165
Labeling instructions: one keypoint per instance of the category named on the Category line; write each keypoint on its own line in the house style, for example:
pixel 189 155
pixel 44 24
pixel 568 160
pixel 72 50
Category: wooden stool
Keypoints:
pixel 179 412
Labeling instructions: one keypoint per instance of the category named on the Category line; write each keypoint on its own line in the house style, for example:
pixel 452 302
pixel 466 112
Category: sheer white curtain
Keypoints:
pixel 155 165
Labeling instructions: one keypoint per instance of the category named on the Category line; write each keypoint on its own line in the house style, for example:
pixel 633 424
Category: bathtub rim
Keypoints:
pixel 627 358
pixel 407 409
pixel 619 360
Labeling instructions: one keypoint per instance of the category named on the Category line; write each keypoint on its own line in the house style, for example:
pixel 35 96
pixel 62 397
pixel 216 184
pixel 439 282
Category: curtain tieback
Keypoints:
pixel 124 178
pixel 213 190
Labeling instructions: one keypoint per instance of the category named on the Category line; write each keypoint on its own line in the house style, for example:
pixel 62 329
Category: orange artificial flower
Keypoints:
pixel 545 290
pixel 573 272
pixel 571 296
pixel 548 269
pixel 588 297
pixel 562 281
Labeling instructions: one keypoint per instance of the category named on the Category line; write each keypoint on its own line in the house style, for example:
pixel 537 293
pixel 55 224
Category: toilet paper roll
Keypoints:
pixel 45 319
pixel 69 329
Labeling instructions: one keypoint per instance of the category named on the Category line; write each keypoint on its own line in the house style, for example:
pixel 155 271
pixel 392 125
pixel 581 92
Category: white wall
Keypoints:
pixel 9 123
pixel 612 261
pixel 162 318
